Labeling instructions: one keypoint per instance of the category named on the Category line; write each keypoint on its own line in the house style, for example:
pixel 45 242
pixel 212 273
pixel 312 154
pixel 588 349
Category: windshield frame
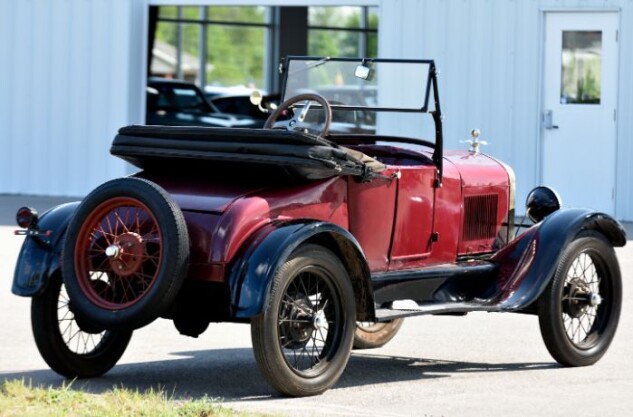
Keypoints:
pixel 436 113
pixel 285 65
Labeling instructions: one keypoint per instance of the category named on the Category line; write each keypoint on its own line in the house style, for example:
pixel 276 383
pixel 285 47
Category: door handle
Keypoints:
pixel 548 120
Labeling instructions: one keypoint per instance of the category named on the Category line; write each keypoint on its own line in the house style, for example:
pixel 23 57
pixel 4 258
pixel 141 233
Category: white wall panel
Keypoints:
pixel 624 184
pixel 64 93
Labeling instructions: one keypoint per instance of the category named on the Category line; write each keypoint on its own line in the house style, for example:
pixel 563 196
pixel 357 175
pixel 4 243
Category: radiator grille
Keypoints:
pixel 480 217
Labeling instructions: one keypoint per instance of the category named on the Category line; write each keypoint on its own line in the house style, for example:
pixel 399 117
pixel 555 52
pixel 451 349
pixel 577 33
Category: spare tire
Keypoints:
pixel 125 254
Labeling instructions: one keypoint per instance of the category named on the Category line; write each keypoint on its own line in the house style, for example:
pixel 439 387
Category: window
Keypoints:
pixel 343 31
pixel 581 67
pixel 220 48
pixel 230 49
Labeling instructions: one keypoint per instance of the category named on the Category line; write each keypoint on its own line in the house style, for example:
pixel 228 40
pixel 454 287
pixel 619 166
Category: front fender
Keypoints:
pixel 39 255
pixel 528 263
pixel 251 275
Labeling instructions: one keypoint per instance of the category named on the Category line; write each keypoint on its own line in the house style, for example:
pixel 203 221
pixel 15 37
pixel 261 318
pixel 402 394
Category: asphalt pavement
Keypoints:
pixel 478 365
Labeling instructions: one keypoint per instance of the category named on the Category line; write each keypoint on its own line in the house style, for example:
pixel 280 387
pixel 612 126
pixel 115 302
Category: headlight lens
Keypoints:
pixel 26 217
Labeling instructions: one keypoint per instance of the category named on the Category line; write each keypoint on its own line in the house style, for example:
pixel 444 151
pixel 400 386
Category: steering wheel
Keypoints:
pixel 298 117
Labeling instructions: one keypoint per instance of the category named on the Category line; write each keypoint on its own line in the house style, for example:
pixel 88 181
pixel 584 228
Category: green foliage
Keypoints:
pixel 332 42
pixel 20 399
pixel 235 54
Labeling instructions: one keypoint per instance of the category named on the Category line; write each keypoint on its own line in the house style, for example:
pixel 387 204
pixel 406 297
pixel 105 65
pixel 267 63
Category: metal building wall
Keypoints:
pixel 65 87
pixel 489 53
pixel 73 71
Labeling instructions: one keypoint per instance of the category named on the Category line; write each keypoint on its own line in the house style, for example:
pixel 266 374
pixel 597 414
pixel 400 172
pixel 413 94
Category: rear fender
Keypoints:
pixel 39 257
pixel 252 273
pixel 528 263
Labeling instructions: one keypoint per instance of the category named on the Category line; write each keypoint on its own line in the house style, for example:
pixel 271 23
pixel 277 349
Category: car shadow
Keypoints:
pixel 232 374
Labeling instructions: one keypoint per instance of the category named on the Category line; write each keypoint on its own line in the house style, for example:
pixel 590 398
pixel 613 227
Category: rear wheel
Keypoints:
pixel 303 339
pixel 370 335
pixel 72 350
pixel 126 253
pixel 580 309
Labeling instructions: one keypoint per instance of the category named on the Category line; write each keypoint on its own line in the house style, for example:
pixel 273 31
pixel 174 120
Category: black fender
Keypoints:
pixel 527 264
pixel 39 256
pixel 251 274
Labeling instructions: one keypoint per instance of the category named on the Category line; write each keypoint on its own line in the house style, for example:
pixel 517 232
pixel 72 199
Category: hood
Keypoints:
pixel 487 192
pixel 478 170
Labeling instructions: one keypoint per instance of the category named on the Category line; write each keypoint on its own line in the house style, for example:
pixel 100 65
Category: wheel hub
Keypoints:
pixel 319 321
pixel 126 254
pixel 595 299
pixel 300 326
pixel 579 297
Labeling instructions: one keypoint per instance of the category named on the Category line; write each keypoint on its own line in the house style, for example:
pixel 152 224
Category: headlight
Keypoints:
pixel 541 202
pixel 26 217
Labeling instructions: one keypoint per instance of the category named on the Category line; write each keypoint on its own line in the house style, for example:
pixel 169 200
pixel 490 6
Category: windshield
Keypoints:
pixel 389 85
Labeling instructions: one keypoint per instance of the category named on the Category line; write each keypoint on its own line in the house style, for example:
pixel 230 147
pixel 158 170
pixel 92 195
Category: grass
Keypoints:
pixel 19 399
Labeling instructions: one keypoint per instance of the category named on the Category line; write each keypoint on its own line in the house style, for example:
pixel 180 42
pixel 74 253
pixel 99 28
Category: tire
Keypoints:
pixel 126 254
pixel 580 308
pixel 65 347
pixel 303 339
pixel 371 335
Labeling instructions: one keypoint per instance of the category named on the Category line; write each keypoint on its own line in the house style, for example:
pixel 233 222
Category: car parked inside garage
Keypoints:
pixel 181 103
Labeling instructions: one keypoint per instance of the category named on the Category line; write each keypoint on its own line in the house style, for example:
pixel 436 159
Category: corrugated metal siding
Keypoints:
pixel 72 73
pixel 489 56
pixel 63 93
pixel 624 182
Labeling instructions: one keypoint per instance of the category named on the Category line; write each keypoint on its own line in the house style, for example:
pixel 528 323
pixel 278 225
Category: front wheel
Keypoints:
pixel 67 348
pixel 580 308
pixel 303 339
pixel 370 335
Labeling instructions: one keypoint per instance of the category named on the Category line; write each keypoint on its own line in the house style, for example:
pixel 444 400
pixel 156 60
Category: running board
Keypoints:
pixel 386 314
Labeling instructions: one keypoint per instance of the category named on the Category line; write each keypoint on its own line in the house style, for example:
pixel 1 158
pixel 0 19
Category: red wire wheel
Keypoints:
pixel 125 255
pixel 118 253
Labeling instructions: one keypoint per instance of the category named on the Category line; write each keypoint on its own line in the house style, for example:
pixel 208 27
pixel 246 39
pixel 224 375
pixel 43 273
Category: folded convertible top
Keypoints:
pixel 298 154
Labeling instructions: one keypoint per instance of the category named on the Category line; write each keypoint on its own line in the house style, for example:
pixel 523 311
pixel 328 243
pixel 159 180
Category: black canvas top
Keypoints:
pixel 301 154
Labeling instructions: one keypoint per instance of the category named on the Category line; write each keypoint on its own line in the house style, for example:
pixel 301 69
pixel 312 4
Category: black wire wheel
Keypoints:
pixel 303 340
pixel 371 335
pixel 71 347
pixel 580 308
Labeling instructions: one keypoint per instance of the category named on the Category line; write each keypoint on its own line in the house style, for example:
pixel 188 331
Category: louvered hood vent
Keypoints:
pixel 480 217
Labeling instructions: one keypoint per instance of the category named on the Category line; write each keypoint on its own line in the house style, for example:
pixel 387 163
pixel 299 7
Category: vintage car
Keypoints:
pixel 321 241
pixel 181 103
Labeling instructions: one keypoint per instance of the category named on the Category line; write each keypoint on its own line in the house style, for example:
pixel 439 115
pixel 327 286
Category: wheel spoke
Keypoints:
pixel 303 342
pixel 584 331
pixel 119 221
pixel 127 224
pixel 583 282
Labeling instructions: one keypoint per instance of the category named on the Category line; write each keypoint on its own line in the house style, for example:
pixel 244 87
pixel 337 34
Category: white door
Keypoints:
pixel 579 103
